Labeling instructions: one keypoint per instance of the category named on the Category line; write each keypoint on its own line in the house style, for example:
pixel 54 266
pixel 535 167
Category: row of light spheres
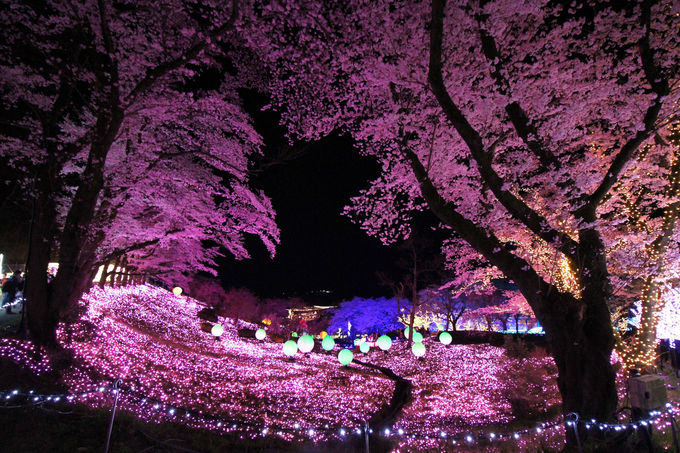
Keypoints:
pixel 305 343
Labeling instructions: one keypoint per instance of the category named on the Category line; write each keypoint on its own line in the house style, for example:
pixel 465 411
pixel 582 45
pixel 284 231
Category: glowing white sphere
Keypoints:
pixel 364 347
pixel 260 334
pixel 328 343
pixel 290 348
pixel 305 343
pixel 217 330
pixel 177 291
pixel 345 357
pixel 384 342
pixel 445 338
pixel 418 349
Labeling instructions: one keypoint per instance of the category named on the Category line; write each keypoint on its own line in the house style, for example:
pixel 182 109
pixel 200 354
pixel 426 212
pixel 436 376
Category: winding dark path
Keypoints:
pixel 385 417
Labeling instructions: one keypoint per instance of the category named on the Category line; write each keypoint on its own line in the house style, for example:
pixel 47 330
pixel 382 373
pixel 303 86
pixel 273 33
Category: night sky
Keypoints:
pixel 320 249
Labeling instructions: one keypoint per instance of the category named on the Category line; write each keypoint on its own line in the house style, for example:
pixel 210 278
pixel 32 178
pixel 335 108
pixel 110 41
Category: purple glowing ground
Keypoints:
pixel 457 386
pixel 465 389
pixel 152 340
pixel 174 371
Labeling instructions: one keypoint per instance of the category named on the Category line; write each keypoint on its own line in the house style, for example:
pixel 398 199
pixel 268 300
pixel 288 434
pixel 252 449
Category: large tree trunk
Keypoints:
pixel 40 314
pixel 582 351
pixel 586 379
pixel 581 336
pixel 414 299
pixel 70 281
pixel 46 303
pixel 82 282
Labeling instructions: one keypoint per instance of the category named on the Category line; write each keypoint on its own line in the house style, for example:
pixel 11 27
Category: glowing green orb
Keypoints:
pixel 260 334
pixel 328 343
pixel 364 347
pixel 290 348
pixel 417 337
pixel 345 356
pixel 384 342
pixel 217 330
pixel 406 330
pixel 445 338
pixel 305 343
pixel 294 335
pixel 418 349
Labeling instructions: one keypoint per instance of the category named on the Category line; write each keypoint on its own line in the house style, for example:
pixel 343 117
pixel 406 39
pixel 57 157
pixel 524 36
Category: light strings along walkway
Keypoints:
pixel 163 411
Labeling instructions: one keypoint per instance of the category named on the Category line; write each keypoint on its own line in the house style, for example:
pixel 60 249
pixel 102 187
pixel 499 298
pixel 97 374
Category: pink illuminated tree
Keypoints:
pixel 447 305
pixel 669 319
pixel 515 306
pixel 524 126
pixel 128 135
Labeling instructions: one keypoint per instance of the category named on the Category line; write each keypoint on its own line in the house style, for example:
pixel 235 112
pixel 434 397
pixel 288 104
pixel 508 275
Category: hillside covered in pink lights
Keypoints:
pixel 172 370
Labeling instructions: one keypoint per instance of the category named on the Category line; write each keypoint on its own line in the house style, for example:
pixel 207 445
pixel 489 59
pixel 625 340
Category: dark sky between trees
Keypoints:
pixel 320 249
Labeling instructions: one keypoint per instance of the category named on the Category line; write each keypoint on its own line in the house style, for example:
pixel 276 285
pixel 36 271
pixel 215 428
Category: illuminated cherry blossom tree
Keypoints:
pixel 669 319
pixel 656 265
pixel 524 126
pixel 128 135
pixel 514 306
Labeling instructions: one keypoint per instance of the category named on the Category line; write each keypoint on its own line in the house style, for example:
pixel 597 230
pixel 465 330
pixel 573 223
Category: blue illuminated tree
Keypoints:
pixel 366 316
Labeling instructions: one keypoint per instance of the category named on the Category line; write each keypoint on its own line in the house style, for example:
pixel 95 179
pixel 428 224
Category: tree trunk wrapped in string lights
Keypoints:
pixel 639 352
